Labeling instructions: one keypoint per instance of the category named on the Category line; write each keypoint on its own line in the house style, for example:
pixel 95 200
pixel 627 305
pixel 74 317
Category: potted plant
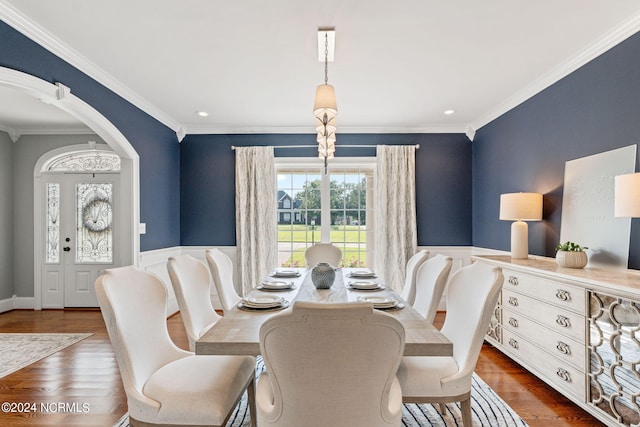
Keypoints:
pixel 571 255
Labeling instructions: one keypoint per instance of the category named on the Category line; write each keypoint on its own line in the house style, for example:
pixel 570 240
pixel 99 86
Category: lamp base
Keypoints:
pixel 519 240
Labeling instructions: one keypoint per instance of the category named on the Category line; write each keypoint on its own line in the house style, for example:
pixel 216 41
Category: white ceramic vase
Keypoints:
pixel 571 259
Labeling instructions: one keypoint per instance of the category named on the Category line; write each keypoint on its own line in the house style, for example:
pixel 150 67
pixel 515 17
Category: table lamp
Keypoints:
pixel 520 207
pixel 627 196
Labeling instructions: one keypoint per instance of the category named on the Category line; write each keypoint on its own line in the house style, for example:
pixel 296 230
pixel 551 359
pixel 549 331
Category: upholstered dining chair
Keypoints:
pixel 409 289
pixel 164 384
pixel 323 252
pixel 431 279
pixel 191 283
pixel 330 364
pixel 471 298
pixel 221 268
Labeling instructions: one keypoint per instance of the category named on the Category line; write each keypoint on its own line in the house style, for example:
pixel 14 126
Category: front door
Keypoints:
pixel 81 238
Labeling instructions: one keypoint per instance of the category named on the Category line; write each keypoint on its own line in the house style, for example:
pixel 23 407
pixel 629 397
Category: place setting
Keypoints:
pixel 285 272
pixel 263 303
pixel 382 302
pixel 364 285
pixel 362 273
pixel 276 285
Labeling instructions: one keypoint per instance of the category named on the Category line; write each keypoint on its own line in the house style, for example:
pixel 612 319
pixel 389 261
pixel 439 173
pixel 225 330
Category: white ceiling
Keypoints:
pixel 253 65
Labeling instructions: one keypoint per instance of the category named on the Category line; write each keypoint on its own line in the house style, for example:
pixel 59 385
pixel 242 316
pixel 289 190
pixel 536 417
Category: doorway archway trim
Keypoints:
pixel 61 96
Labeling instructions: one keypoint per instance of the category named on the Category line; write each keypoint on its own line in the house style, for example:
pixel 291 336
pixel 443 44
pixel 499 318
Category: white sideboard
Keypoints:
pixel 576 329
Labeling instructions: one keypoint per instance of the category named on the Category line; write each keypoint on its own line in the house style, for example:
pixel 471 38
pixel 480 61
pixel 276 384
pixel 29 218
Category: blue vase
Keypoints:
pixel 323 275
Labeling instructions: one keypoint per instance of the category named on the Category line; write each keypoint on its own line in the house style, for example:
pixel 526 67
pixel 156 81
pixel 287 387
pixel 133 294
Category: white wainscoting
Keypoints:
pixel 460 255
pixel 155 261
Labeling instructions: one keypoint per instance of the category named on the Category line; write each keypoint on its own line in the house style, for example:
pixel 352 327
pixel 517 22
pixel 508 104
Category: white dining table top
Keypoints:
pixel 237 333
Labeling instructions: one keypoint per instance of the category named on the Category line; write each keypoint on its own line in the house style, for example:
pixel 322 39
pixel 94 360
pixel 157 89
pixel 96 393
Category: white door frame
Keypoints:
pixel 60 96
pixel 40 205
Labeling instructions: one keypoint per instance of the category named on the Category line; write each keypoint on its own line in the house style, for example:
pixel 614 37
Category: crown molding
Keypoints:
pixel 222 130
pixel 590 52
pixel 56 131
pixel 20 23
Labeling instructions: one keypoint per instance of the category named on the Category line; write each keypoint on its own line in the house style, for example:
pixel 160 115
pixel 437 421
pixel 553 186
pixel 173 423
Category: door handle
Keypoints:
pixel 66 249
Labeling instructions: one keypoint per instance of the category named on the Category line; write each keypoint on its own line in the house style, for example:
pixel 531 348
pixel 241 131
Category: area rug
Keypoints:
pixel 20 350
pixel 487 410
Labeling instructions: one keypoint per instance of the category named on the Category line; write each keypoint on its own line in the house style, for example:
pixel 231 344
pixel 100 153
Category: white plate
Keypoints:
pixel 277 284
pixel 285 273
pixel 282 306
pixel 262 301
pixel 364 285
pixel 362 273
pixel 380 302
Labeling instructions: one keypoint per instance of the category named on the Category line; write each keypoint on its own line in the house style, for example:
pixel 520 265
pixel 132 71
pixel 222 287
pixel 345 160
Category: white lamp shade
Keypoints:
pixel 325 102
pixel 330 127
pixel 521 206
pixel 330 138
pixel 627 196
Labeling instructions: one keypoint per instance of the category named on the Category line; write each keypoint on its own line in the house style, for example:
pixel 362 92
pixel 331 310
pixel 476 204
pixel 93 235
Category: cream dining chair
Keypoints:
pixel 471 298
pixel 323 252
pixel 191 283
pixel 330 365
pixel 222 273
pixel 409 289
pixel 164 384
pixel 431 279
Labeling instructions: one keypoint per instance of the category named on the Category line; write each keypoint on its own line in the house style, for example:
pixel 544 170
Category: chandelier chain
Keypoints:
pixel 326 58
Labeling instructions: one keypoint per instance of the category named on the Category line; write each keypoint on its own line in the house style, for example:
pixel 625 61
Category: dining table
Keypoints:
pixel 238 331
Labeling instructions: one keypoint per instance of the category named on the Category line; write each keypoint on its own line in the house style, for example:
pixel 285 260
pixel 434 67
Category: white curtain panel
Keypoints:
pixel 395 215
pixel 256 232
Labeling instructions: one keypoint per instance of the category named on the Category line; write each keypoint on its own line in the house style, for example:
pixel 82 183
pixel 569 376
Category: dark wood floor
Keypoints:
pixel 87 373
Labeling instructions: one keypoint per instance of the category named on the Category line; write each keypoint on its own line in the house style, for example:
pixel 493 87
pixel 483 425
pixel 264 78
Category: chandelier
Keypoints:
pixel 324 107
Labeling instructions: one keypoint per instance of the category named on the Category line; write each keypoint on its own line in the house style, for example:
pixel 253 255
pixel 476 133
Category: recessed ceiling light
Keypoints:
pixel 202 113
pixel 449 112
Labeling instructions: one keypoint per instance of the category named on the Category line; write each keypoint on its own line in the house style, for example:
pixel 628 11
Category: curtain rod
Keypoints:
pixel 233 147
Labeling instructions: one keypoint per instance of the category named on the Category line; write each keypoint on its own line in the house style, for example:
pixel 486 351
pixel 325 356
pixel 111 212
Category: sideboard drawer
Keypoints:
pixel 561 374
pixel 562 321
pixel 560 346
pixel 558 293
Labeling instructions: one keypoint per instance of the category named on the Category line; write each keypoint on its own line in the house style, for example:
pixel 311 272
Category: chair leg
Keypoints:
pixel 443 408
pixel 465 407
pixel 251 397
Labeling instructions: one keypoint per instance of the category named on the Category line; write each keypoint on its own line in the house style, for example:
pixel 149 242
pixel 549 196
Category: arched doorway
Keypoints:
pixel 61 97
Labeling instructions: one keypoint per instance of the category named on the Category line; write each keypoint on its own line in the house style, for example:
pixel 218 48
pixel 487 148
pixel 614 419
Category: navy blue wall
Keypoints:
pixel 156 144
pixel 443 182
pixel 594 109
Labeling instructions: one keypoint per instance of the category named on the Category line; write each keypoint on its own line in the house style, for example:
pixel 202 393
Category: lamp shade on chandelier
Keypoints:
pixel 325 107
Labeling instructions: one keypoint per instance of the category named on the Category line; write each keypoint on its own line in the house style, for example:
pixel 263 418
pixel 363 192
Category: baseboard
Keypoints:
pixel 17 303
pixel 24 302
pixel 6 304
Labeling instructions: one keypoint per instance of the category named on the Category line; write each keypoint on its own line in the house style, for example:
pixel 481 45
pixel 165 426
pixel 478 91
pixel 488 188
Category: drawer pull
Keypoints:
pixel 565 375
pixel 513 322
pixel 563 321
pixel 513 280
pixel 564 348
pixel 513 301
pixel 563 295
pixel 513 343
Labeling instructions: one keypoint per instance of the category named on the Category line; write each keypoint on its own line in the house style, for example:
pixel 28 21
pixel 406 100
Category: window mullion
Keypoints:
pixel 325 203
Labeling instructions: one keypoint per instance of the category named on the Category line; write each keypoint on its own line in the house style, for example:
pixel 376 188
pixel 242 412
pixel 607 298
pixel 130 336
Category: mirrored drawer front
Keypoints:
pixel 562 321
pixel 554 343
pixel 559 373
pixel 561 294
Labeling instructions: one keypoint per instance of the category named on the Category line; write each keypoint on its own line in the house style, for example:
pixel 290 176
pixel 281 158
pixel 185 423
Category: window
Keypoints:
pixel 334 207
